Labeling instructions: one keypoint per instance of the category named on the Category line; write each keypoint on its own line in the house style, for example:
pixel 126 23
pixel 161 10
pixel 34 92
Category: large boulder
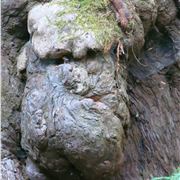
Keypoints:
pixel 69 117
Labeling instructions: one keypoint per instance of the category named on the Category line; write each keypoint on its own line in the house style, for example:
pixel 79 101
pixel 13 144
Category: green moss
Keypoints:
pixel 92 16
pixel 174 176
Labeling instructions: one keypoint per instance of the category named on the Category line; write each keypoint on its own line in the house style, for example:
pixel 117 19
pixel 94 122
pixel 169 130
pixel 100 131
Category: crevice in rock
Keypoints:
pixel 48 62
pixel 177 3
pixel 71 174
pixel 158 53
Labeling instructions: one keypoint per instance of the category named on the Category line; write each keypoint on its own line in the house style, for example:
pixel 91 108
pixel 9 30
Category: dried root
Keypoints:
pixel 120 12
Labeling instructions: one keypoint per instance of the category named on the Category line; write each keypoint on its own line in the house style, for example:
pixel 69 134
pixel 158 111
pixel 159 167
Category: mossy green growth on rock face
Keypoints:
pixel 175 176
pixel 93 16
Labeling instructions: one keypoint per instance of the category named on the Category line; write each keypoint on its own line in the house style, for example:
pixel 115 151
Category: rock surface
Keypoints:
pixel 14 35
pixel 68 112
pixel 71 111
pixel 11 170
pixel 155 124
pixel 51 41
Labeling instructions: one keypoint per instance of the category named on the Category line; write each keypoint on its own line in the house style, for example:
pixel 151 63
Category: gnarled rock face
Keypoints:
pixel 10 169
pixel 72 114
pixel 68 117
pixel 73 111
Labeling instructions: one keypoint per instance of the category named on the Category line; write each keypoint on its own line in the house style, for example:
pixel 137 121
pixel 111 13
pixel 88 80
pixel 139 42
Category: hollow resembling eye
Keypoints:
pixel 66 59
pixel 70 70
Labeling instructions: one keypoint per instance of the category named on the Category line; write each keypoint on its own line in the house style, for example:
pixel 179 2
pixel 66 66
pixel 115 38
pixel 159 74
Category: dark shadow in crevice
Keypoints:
pixel 20 31
pixel 23 76
pixel 71 173
pixel 177 3
pixel 158 53
pixel 92 53
pixel 47 62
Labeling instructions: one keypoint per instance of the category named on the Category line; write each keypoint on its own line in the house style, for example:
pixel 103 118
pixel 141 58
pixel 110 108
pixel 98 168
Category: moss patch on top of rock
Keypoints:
pixel 93 16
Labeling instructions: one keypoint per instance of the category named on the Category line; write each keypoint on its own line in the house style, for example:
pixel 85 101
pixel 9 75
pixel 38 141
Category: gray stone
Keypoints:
pixel 68 111
pixel 22 60
pixel 10 169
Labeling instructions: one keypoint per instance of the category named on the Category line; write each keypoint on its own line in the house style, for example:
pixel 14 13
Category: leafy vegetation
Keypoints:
pixel 174 176
pixel 92 16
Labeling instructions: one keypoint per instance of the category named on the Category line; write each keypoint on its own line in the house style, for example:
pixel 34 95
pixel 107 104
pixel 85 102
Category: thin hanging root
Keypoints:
pixel 137 58
pixel 120 12
pixel 120 51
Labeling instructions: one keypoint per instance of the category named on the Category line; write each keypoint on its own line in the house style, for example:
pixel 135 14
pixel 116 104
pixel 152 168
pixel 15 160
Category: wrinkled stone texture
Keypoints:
pixel 166 12
pixel 10 169
pixel 12 87
pixel 33 171
pixel 72 117
pixel 14 35
pixel 68 112
pixel 147 11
